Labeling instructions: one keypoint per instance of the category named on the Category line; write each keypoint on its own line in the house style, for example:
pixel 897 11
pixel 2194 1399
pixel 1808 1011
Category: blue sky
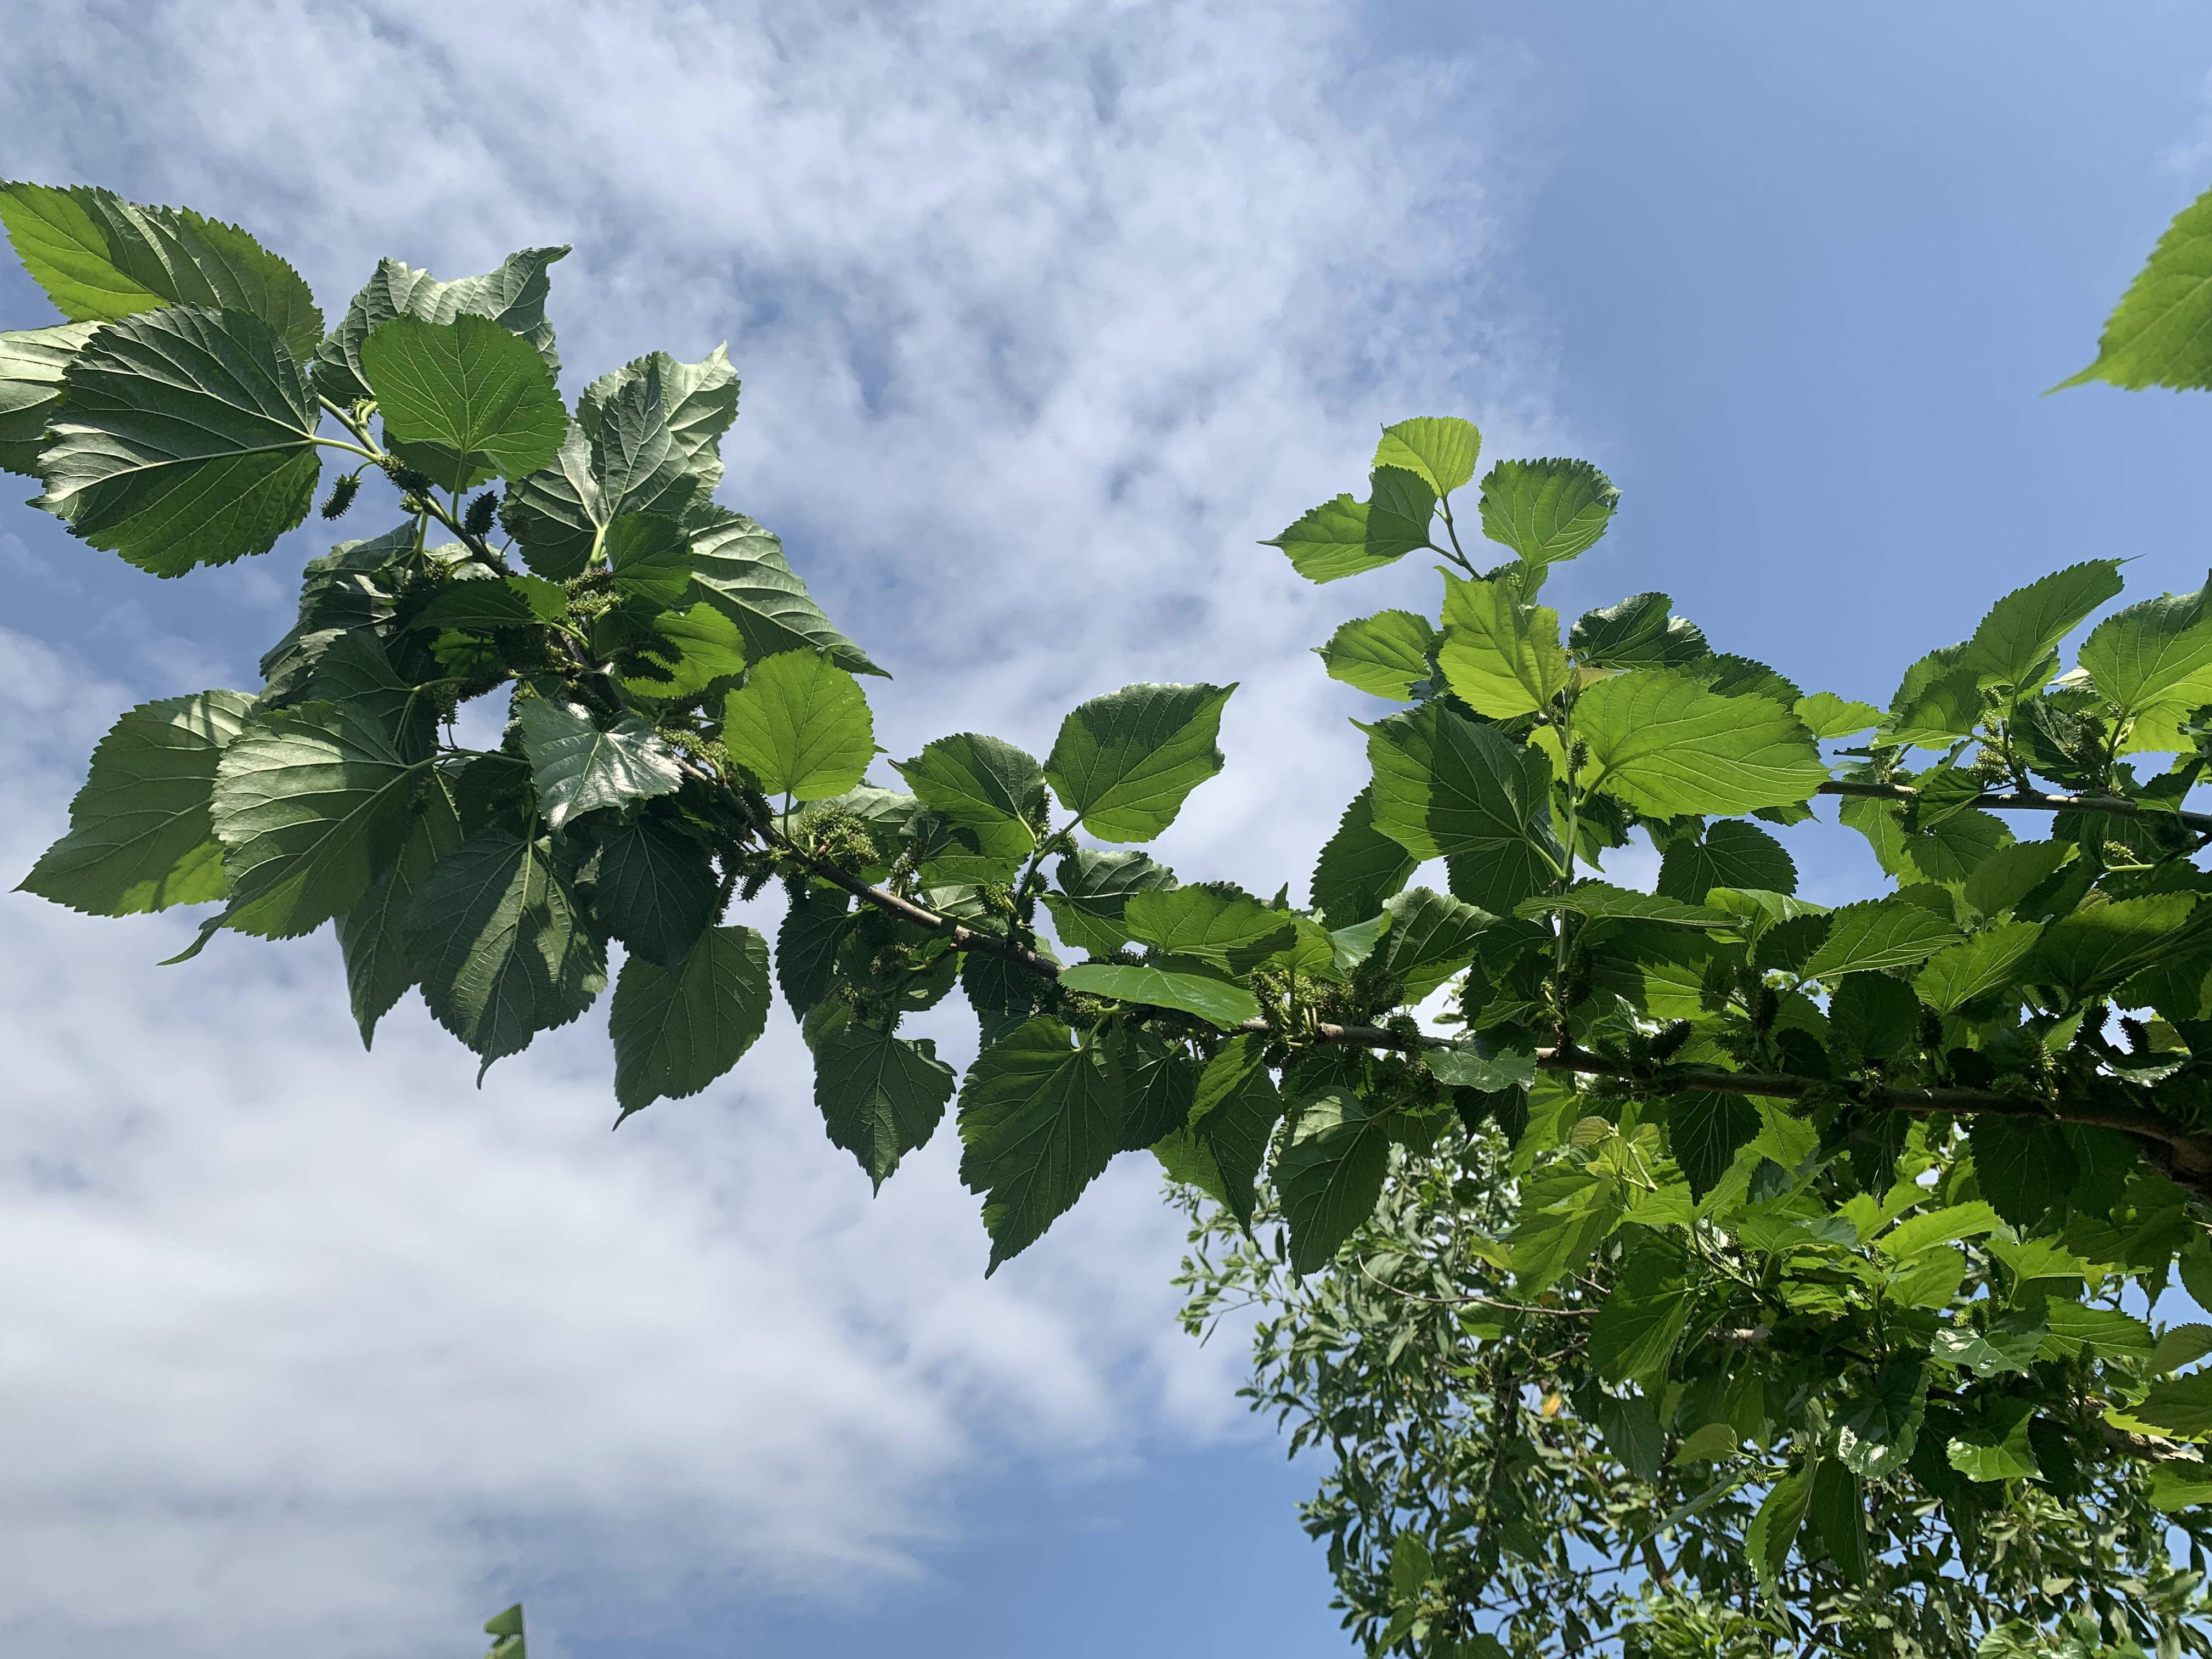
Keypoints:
pixel 1044 318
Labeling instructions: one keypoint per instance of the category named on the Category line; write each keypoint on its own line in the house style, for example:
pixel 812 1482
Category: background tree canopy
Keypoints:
pixel 1795 1259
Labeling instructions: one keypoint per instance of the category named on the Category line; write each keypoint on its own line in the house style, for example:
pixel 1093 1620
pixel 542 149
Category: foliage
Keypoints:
pixel 1854 1210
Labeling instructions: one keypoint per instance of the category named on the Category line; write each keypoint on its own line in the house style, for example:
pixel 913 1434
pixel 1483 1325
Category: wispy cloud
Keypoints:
pixel 1045 314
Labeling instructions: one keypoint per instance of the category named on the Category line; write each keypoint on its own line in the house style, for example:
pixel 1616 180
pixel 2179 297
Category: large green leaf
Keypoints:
pixel 30 364
pixel 1359 866
pixel 2016 641
pixel 2096 946
pixel 739 569
pixel 1890 933
pixel 513 296
pixel 98 257
pixel 579 768
pixel 2181 1404
pixel 1726 853
pixel 1546 510
pixel 1382 654
pixel 1095 890
pixel 1126 762
pixel 655 426
pixel 311 805
pixel 1876 1430
pixel 653 889
pixel 1159 1084
pixel 1501 657
pixel 648 560
pixel 1957 974
pixel 1343 537
pixel 1642 631
pixel 463 401
pixel 984 783
pixel 1643 1317
pixel 1232 1117
pixel 1705 1131
pixel 676 1029
pixel 1226 1005
pixel 801 725
pixel 141 836
pixel 500 945
pixel 2160 332
pixel 187 438
pixel 1212 921
pixel 1430 938
pixel 880 1097
pixel 1329 1173
pixel 1040 1119
pixel 372 934
pixel 692 652
pixel 1441 450
pixel 1445 786
pixel 2154 660
pixel 1666 745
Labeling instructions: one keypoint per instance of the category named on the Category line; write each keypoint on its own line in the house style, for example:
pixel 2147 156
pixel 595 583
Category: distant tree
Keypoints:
pixel 1812 1245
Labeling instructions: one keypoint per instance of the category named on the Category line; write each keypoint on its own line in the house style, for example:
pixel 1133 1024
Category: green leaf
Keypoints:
pixel 499 944
pixel 1641 1320
pixel 1955 976
pixel 2025 1166
pixel 2014 644
pixel 1233 1116
pixel 1838 1513
pixel 310 803
pixel 880 1097
pixel 1704 1132
pixel 1727 854
pixel 1890 933
pixel 187 438
pixel 1344 538
pixel 2010 873
pixel 2153 656
pixel 1227 1005
pixel 1359 866
pixel 478 607
pixel 703 652
pixel 1159 1084
pixel 1212 921
pixel 1438 449
pixel 983 782
pixel 648 560
pixel 739 569
pixel 1999 1450
pixel 1640 632
pixel 1329 1173
pixel 98 257
pixel 677 1030
pixel 653 889
pixel 1446 787
pixel 801 725
pixel 579 769
pixel 2182 1346
pixel 1877 1428
pixel 1827 715
pixel 513 296
pixel 141 837
pixel 655 428
pixel 1774 1528
pixel 1430 938
pixel 1666 745
pixel 1501 657
pixel 1547 511
pixel 2178 1486
pixel 1933 1228
pixel 1040 1119
pixel 1481 1063
pixel 806 946
pixel 2099 1333
pixel 372 934
pixel 1565 1211
pixel 1125 763
pixel 1095 890
pixel 32 362
pixel 479 397
pixel 2181 1404
pixel 2160 332
pixel 1383 654
pixel 2098 945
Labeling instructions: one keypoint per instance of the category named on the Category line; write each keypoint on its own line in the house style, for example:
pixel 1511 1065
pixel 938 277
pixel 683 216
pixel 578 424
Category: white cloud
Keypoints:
pixel 1046 314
